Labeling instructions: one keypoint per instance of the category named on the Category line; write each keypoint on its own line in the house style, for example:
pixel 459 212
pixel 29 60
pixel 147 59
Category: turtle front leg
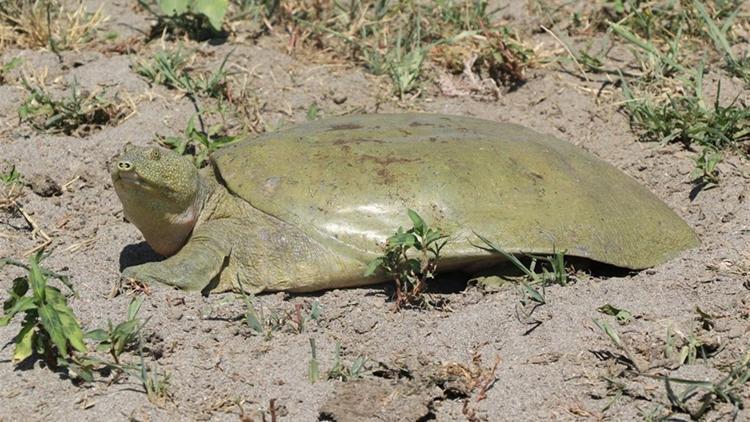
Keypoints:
pixel 193 268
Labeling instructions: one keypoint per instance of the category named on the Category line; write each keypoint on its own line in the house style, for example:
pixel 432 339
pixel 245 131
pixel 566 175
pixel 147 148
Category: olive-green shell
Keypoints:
pixel 349 181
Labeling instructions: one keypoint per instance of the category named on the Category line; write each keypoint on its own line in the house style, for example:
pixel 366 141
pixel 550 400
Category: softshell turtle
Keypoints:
pixel 306 208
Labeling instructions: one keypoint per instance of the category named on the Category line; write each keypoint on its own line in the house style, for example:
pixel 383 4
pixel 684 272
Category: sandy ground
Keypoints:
pixel 554 364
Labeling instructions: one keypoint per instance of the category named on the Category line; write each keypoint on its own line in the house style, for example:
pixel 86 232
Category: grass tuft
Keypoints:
pixel 170 68
pixel 47 24
pixel 402 39
pixel 77 113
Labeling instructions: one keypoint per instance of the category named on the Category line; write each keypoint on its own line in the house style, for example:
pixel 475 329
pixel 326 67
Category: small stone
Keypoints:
pixel 340 99
pixel 44 186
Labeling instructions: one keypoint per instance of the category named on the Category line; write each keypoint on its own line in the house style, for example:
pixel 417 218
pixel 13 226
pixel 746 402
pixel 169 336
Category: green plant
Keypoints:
pixel 200 145
pixel 259 321
pixel 628 357
pixel 198 18
pixel 313 367
pixel 313 112
pixel 11 177
pixel 404 64
pixel 49 328
pixel 657 63
pixel 265 322
pixel 705 172
pixel 168 68
pixel 553 271
pixel 338 370
pixel 725 390
pixel 298 319
pixel 737 66
pixel 623 316
pixel 155 384
pixel 78 113
pixel 116 338
pixel 341 372
pixel 687 119
pixel 397 38
pixel 7 67
pixel 410 259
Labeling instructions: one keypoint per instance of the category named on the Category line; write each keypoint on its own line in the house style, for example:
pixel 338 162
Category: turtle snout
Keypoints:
pixel 124 165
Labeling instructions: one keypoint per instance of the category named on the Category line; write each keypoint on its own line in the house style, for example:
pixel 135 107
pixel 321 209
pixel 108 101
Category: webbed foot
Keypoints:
pixel 156 274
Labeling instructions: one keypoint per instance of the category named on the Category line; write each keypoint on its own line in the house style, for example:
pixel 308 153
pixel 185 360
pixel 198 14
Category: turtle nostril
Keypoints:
pixel 124 165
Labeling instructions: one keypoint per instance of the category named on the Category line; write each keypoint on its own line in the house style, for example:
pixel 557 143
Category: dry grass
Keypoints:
pixel 405 40
pixel 47 24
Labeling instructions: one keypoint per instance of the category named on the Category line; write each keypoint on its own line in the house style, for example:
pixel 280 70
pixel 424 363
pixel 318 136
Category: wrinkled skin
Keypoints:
pixel 306 208
pixel 231 245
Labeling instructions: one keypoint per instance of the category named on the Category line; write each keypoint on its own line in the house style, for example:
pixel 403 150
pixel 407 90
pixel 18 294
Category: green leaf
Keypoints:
pixel 103 347
pixel 70 326
pixel 173 7
pixel 123 333
pixel 419 224
pixel 54 328
pixel 313 370
pixel 610 332
pixel 19 305
pixel 373 266
pixel 402 239
pixel 36 277
pixel 623 316
pixel 23 342
pixel 214 10
pixel 413 264
pixel 97 335
pixel 80 371
pixel 134 307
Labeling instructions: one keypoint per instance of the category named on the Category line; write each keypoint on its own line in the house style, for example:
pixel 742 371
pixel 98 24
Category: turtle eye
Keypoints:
pixel 154 154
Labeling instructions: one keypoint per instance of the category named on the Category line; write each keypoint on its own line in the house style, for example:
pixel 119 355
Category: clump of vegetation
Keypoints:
pixel 169 68
pixel 623 316
pixel 50 329
pixel 339 371
pixel 698 396
pixel 685 118
pixel 77 113
pixel 410 260
pixel 679 112
pixel 199 19
pixel 398 38
pixel 265 322
pixel 47 24
pixel 12 176
pixel 155 384
pixel 116 338
pixel 553 271
pixel 51 332
pixel 199 144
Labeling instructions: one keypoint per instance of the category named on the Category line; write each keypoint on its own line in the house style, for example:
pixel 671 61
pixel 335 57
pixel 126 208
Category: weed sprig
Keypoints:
pixel 169 68
pixel 410 259
pixel 78 113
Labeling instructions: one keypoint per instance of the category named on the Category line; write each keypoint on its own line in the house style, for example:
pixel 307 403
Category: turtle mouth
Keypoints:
pixel 130 178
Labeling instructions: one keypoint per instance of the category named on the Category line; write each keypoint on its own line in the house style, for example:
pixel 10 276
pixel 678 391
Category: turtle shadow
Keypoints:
pixel 136 254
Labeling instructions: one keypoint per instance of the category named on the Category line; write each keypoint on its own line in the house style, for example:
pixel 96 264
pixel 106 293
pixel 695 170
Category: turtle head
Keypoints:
pixel 161 194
